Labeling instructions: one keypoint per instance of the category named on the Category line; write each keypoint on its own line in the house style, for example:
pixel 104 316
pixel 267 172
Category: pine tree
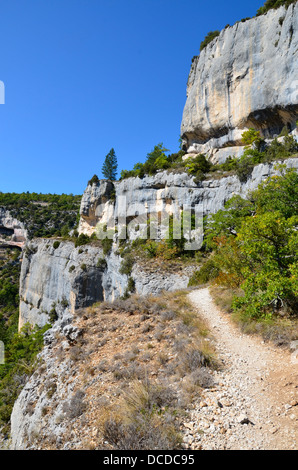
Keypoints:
pixel 109 168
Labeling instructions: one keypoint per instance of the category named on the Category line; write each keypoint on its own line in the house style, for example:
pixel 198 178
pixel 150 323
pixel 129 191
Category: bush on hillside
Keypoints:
pixel 209 38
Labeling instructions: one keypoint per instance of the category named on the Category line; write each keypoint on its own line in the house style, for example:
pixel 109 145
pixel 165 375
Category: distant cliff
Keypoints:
pixel 246 77
pixel 12 231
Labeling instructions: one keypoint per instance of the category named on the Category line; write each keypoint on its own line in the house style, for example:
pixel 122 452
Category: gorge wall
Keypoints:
pixel 165 192
pixel 67 278
pixel 55 282
pixel 12 231
pixel 246 77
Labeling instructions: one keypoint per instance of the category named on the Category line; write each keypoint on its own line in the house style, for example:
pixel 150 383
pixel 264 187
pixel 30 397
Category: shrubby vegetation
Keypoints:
pixel 269 5
pixel 209 38
pixel 173 247
pixel 274 4
pixel 44 215
pixel 252 247
pixel 155 160
pixel 94 180
pixel 20 348
pixel 256 152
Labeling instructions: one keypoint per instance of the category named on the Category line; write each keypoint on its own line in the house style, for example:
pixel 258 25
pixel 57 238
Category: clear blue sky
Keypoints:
pixel 83 76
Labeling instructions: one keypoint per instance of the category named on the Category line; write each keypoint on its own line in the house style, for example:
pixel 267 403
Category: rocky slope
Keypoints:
pixel 114 352
pixel 246 77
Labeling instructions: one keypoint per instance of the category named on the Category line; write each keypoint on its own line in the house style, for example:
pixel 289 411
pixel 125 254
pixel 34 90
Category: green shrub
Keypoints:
pixel 126 265
pixel 94 180
pixel 284 132
pixel 206 273
pixel 209 38
pixel 56 244
pixel 197 166
pixel 101 263
pixel 82 240
pixel 255 249
pixel 20 362
pixel 107 244
pixel 274 4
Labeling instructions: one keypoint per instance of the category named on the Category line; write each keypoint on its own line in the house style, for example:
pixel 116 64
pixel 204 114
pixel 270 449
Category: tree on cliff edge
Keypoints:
pixel 109 168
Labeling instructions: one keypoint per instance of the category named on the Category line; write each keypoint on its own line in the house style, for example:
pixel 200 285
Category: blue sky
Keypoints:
pixel 83 76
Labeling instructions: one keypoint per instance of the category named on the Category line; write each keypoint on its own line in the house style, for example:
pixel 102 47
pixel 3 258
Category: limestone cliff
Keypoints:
pixel 55 282
pixel 246 77
pixel 136 198
pixel 12 231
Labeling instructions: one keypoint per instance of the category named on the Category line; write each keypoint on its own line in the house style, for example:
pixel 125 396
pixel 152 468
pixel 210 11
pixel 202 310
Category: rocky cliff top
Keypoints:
pixel 246 77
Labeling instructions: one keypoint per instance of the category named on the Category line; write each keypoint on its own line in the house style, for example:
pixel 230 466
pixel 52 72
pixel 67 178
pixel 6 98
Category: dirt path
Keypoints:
pixel 254 403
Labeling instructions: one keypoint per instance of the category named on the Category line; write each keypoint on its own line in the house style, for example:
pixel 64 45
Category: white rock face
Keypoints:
pixel 15 228
pixel 246 77
pixel 97 199
pixel 65 278
pixel 136 198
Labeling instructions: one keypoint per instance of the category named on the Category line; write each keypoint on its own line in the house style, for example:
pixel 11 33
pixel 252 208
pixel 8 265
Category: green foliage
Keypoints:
pixel 254 245
pixel 21 350
pixel 56 244
pixel 126 265
pixel 207 272
pixel 256 152
pixel 274 4
pixel 251 157
pixel 198 167
pixel 82 240
pixel 268 242
pixel 252 137
pixel 107 244
pixel 130 289
pixel 210 36
pixel 101 263
pixel 228 221
pixel 94 180
pixel 156 160
pixel 44 215
pixel 110 165
pixel 284 132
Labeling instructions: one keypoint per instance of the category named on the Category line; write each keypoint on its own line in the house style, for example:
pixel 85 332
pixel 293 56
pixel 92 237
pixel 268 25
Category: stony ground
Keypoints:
pixel 247 398
pixel 254 404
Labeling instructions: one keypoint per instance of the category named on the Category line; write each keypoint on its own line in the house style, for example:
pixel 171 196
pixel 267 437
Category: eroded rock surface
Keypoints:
pixel 246 77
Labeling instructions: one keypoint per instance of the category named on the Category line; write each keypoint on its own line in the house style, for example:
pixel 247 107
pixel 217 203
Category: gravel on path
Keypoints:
pixel 254 402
